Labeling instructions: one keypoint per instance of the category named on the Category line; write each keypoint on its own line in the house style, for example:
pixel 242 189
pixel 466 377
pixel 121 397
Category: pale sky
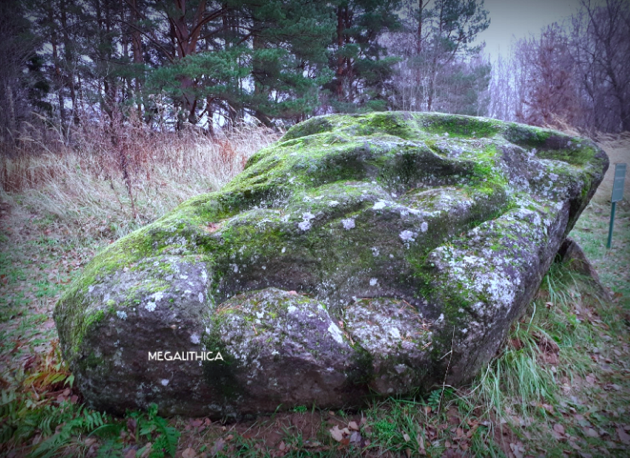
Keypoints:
pixel 519 19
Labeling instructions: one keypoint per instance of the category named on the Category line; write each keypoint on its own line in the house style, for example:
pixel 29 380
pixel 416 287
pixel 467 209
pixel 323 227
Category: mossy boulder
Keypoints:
pixel 361 255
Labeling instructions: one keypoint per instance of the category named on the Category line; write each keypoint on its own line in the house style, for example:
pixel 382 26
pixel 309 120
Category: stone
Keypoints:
pixel 360 256
pixel 571 253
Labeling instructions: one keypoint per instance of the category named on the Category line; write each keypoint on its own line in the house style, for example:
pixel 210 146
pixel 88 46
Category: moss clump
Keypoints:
pixel 458 125
pixel 527 136
pixel 578 157
pixel 312 126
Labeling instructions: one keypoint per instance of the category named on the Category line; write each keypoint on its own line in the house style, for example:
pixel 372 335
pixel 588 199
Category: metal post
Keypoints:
pixel 612 223
pixel 617 195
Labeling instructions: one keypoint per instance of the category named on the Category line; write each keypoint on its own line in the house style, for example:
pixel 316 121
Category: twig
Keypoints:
pixel 448 366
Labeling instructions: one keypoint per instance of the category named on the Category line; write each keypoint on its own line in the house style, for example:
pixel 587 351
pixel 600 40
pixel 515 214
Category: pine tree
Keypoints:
pixel 361 66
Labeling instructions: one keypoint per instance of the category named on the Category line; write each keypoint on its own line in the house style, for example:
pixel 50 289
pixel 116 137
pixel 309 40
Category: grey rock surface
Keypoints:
pixel 345 262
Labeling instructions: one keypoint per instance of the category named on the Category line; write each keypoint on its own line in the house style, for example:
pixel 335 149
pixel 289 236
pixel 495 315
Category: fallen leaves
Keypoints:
pixel 590 432
pixel 189 453
pixel 339 434
pixel 558 431
pixel 549 349
pixel 518 449
pixel 217 447
pixel 212 227
pixel 350 434
pixel 198 424
pixel 623 435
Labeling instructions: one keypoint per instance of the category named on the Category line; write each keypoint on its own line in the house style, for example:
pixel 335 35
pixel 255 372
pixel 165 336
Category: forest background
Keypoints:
pixel 171 64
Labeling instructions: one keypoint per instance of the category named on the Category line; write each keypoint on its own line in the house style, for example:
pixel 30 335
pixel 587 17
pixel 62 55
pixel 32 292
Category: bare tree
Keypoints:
pixel 504 88
pixel 550 94
pixel 601 52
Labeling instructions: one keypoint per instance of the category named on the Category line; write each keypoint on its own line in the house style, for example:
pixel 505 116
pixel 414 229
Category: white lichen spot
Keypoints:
pixel 200 297
pixel 292 309
pixel 333 203
pixel 336 333
pixel 90 289
pixel 305 225
pixel 157 296
pixel 150 306
pixel 348 224
pixel 379 205
pixel 121 314
pixel 373 281
pixel 375 251
pixel 165 382
pixel 264 267
pixel 284 249
pixel 235 268
pixel 406 236
pixel 395 333
pixel 194 338
pixel 424 226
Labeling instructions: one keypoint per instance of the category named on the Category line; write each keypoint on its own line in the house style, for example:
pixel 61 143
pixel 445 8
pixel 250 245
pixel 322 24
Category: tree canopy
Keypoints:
pixel 173 63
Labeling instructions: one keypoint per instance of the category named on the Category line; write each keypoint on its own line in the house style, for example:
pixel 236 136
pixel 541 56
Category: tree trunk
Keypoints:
pixel 340 59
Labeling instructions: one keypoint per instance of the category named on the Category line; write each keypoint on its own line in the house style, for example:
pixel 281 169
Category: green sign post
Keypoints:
pixel 617 195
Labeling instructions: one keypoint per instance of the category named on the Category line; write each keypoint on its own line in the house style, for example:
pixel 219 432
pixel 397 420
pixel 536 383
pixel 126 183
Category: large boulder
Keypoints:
pixel 361 255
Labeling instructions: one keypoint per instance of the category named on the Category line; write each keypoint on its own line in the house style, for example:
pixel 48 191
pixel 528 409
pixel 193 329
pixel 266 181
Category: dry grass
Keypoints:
pixel 104 183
